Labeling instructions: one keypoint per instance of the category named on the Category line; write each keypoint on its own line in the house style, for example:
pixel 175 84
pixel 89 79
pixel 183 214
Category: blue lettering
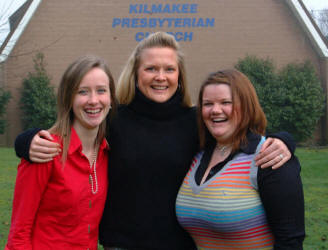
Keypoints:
pixel 161 8
pixel 210 22
pixel 143 22
pixel 200 22
pixel 178 22
pixel 184 8
pixel 156 8
pixel 161 22
pixel 134 22
pixel 116 22
pixel 188 36
pixel 146 10
pixel 178 36
pixel 194 22
pixel 175 8
pixel 133 8
pixel 186 22
pixel 167 9
pixel 126 22
pixel 139 36
pixel 193 8
pixel 152 23
pixel 169 22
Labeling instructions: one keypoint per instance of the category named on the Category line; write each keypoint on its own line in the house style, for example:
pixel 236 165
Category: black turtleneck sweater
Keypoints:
pixel 152 145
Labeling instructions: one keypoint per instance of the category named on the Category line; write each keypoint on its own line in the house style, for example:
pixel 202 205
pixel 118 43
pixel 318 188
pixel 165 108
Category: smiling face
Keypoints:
pixel 217 112
pixel 92 100
pixel 158 73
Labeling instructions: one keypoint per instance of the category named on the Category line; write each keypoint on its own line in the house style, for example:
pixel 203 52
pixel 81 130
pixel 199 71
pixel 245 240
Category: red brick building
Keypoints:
pixel 213 35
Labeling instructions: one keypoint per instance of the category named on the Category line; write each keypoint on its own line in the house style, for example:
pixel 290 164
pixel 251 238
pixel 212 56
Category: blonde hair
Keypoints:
pixel 128 77
pixel 67 89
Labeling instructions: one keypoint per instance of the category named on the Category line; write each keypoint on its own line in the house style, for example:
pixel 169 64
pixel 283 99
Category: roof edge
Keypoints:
pixel 19 30
pixel 296 7
pixel 308 26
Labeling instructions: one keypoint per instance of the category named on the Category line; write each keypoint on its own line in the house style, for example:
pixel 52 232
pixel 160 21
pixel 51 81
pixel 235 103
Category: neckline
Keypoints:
pixel 204 162
pixel 197 188
pixel 157 111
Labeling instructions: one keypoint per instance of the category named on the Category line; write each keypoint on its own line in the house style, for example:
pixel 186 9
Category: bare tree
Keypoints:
pixel 323 21
pixel 321 18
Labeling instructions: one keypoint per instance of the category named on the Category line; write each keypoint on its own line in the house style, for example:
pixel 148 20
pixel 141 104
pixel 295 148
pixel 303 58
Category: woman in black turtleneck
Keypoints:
pixel 153 138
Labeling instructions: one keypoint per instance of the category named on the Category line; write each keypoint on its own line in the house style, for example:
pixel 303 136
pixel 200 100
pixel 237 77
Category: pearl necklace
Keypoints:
pixel 93 165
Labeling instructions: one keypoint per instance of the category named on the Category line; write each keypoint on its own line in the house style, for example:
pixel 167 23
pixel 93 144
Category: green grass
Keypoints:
pixel 8 168
pixel 315 183
pixel 314 176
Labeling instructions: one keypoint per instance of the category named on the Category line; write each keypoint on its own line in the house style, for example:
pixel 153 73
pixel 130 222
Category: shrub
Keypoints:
pixel 292 99
pixel 261 72
pixel 38 101
pixel 4 99
pixel 303 100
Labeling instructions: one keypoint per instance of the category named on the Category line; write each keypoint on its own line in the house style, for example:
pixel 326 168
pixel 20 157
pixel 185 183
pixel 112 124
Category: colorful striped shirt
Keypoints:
pixel 226 211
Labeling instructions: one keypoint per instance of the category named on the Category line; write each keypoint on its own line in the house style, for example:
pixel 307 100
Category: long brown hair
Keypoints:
pixel 67 89
pixel 245 103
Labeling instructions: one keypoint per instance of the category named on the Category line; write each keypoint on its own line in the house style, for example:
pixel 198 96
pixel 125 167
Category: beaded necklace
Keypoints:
pixel 93 164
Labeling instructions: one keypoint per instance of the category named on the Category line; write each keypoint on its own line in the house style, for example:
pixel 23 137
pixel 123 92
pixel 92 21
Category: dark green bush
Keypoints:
pixel 303 100
pixel 292 99
pixel 4 99
pixel 261 72
pixel 38 101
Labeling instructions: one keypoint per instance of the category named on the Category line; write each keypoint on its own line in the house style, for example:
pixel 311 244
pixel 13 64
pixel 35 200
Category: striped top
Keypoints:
pixel 226 211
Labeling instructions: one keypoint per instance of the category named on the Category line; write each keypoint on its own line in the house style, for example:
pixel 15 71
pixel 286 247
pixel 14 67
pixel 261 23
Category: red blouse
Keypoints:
pixel 54 207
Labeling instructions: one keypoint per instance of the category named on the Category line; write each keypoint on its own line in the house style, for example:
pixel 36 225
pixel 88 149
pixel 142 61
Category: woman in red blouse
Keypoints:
pixel 59 205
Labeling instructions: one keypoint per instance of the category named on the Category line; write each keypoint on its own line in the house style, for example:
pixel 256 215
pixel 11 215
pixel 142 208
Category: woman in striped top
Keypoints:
pixel 225 201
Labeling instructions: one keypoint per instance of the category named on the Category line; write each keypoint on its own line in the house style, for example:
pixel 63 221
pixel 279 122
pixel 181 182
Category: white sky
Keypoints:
pixel 7 7
pixel 316 4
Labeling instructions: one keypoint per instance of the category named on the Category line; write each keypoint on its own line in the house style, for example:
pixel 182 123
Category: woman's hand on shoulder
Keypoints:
pixel 42 148
pixel 273 153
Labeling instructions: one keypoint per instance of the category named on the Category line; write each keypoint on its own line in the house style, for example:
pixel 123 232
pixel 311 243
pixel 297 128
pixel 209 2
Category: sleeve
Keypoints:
pixel 287 138
pixel 23 142
pixel 31 182
pixel 282 196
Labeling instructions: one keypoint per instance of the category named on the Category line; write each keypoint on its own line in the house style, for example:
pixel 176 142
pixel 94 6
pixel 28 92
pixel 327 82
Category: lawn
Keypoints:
pixel 315 183
pixel 314 175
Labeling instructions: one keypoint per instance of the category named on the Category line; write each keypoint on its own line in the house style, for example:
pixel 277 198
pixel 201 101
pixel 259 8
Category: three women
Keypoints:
pixel 152 138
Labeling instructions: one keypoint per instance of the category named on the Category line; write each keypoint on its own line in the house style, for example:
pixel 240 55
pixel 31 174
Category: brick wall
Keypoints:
pixel 64 30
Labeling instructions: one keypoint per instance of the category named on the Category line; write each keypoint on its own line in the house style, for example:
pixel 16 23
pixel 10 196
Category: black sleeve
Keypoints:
pixel 282 196
pixel 23 142
pixel 287 138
